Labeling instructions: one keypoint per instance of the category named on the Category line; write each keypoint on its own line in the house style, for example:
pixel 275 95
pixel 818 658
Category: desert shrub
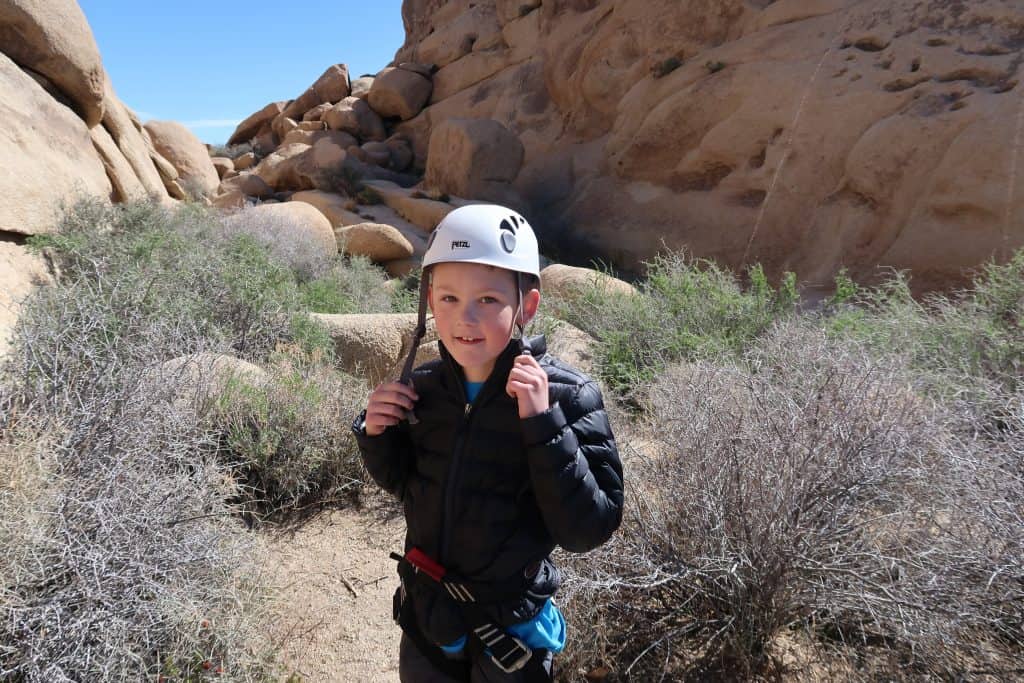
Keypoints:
pixel 231 151
pixel 341 178
pixel 132 561
pixel 287 440
pixel 805 490
pixel 353 285
pixel 368 195
pixel 276 234
pixel 967 345
pixel 666 66
pixel 138 264
pixel 124 562
pixel 685 309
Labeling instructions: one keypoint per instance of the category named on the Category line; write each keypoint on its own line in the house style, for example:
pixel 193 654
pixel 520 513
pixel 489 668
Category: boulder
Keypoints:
pixel 400 268
pixel 119 171
pixel 317 112
pixel 183 149
pixel 399 92
pixel 311 137
pixel 247 160
pixel 510 10
pixel 232 199
pixel 222 165
pixel 411 205
pixel 332 86
pixel 295 231
pixel 361 87
pixel 475 158
pixel 249 184
pixel 336 208
pixel 311 126
pixel 377 153
pixel 47 157
pixel 20 271
pixel 278 168
pixel 378 242
pixel 401 153
pixel 570 282
pixel 382 213
pixel 282 125
pixel 53 38
pixel 373 345
pixel 355 116
pixel 136 146
pixel 256 123
pixel 455 39
pixel 573 345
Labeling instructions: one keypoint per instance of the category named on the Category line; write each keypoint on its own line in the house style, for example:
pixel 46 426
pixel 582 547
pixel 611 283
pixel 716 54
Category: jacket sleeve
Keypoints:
pixel 387 456
pixel 575 470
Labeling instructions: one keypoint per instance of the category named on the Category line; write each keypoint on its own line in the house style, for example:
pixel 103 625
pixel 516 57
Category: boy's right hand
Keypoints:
pixel 387 406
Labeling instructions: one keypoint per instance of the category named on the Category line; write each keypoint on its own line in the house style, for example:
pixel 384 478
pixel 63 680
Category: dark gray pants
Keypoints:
pixel 413 667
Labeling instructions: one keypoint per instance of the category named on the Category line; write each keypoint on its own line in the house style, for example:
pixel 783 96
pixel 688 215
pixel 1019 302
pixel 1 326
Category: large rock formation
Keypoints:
pixel 806 135
pixel 63 134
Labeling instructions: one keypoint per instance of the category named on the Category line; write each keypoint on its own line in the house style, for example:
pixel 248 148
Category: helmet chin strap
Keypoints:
pixel 517 320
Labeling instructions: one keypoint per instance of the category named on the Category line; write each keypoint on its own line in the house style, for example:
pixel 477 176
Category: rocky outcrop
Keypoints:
pixel 187 154
pixel 476 158
pixel 53 39
pixel 63 132
pixel 803 135
pixel 47 157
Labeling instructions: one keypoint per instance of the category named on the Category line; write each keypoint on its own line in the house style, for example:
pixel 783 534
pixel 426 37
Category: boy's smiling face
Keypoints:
pixel 474 307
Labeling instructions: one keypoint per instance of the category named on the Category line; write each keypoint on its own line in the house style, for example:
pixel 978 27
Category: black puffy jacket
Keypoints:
pixel 489 495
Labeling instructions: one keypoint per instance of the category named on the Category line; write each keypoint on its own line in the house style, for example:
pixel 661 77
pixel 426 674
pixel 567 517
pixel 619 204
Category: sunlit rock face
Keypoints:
pixel 807 135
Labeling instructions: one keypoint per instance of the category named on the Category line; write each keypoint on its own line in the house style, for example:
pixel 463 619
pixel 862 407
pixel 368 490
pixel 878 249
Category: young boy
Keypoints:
pixel 498 452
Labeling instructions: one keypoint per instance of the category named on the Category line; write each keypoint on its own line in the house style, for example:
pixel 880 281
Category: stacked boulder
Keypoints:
pixel 338 147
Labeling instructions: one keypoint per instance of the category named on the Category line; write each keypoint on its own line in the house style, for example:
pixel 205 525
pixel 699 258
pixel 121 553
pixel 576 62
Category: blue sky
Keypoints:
pixel 211 64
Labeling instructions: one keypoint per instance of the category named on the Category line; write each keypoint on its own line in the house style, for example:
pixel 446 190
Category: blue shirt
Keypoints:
pixel 472 389
pixel 546 631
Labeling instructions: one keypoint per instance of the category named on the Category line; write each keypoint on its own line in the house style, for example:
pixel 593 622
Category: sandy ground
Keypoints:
pixel 335 581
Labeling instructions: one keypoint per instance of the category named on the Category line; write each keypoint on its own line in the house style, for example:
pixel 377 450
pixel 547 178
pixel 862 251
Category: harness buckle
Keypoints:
pixel 508 652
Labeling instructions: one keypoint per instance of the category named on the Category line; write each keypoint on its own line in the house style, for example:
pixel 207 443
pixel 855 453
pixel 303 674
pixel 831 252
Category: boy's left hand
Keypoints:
pixel 528 384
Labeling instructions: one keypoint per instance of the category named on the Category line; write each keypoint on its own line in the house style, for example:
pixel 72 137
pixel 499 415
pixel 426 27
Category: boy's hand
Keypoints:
pixel 387 406
pixel 528 384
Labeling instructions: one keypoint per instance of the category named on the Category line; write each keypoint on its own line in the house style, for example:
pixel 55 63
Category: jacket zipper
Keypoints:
pixel 448 509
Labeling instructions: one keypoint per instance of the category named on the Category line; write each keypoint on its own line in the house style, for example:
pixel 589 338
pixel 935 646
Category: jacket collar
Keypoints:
pixel 454 379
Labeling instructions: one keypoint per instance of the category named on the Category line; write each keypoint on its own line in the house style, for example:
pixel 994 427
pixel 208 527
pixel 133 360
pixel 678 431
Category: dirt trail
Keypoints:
pixel 335 582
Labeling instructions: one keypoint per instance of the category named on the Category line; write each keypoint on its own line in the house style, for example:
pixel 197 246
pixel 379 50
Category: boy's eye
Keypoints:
pixel 488 300
pixel 449 298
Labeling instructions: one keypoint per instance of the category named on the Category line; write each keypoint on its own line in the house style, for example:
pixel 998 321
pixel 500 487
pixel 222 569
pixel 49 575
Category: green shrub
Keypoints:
pixel 288 439
pixel 353 285
pixel 368 195
pixel 685 309
pixel 967 344
pixel 666 66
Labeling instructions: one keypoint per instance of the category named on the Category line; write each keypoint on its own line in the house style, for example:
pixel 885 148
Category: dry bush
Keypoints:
pixel 128 563
pixel 287 439
pixel 808 489
pixel 278 235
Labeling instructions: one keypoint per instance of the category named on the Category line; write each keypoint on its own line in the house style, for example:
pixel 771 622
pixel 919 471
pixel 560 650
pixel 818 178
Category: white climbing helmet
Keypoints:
pixel 485 233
